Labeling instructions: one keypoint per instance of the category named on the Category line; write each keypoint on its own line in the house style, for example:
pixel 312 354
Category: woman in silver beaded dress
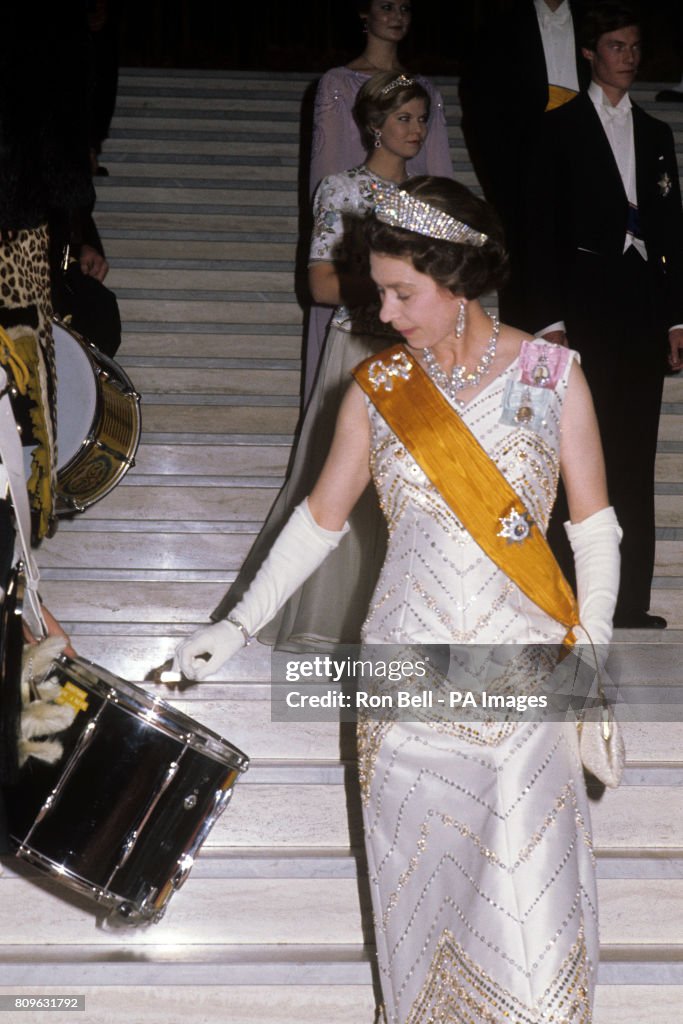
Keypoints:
pixel 329 609
pixel 476 830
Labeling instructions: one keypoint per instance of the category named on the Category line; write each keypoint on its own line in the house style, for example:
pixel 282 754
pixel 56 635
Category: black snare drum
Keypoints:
pixel 120 817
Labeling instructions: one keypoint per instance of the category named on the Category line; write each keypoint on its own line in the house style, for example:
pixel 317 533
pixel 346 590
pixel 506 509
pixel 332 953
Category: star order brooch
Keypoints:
pixel 664 184
pixel 515 526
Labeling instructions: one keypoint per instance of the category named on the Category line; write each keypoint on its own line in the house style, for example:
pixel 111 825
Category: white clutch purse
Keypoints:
pixel 601 746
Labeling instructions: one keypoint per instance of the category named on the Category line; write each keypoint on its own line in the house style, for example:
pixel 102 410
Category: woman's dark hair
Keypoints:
pixel 380 96
pixel 464 269
pixel 607 16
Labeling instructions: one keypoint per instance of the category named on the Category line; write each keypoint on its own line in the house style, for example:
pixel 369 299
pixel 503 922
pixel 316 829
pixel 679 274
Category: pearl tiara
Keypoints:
pixel 395 207
pixel 402 82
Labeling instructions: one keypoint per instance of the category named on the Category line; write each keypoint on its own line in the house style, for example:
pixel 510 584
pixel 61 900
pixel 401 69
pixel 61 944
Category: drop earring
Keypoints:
pixel 378 137
pixel 461 321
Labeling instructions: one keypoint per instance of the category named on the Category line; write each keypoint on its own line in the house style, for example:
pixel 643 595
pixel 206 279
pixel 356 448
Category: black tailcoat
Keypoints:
pixel 616 306
pixel 503 94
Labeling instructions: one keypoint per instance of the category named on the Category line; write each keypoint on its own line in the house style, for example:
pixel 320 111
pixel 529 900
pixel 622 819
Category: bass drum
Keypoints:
pixel 120 817
pixel 98 422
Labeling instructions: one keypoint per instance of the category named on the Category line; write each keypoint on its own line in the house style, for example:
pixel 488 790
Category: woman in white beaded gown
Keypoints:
pixel 477 831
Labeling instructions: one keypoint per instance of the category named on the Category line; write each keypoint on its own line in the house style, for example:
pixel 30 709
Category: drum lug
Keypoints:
pixel 71 503
pixel 185 864
pixel 125 460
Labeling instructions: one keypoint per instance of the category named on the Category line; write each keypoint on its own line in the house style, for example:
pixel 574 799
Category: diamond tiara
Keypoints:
pixel 395 207
pixel 401 82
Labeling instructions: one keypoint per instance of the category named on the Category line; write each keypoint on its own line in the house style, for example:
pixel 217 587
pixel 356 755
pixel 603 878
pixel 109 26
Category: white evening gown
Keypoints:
pixel 477 834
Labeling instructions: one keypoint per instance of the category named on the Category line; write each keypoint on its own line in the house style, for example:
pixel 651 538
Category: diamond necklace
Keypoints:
pixel 459 378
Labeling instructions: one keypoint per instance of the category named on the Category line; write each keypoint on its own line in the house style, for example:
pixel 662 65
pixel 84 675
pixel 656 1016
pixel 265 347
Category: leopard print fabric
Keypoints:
pixel 25 282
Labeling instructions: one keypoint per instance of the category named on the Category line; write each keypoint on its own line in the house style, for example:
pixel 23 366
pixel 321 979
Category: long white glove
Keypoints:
pixel 300 548
pixel 595 544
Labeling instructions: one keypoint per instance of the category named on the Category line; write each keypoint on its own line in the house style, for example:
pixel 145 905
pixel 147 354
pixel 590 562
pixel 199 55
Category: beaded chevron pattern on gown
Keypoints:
pixel 477 833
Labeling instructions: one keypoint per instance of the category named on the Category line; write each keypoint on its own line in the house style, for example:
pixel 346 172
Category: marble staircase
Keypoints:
pixel 199 217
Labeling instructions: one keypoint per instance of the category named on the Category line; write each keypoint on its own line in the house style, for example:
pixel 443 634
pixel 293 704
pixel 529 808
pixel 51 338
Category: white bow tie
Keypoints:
pixel 618 114
pixel 559 17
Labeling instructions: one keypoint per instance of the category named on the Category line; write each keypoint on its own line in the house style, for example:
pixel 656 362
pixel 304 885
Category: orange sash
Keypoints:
pixel 467 479
pixel 558 95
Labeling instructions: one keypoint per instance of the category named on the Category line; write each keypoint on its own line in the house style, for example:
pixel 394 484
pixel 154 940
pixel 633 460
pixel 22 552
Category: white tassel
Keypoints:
pixel 42 717
pixel 49 751
pixel 36 660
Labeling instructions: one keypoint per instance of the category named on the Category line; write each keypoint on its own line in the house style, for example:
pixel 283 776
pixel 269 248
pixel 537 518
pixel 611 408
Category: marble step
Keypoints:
pixel 637 658
pixel 160 341
pixel 259 280
pixel 122 252
pixel 248 195
pixel 148 600
pixel 222 145
pixel 673 389
pixel 199 382
pixel 132 647
pixel 203 504
pixel 236 455
pixel 162 998
pixel 148 80
pixel 204 551
pixel 242 711
pixel 264 911
pixel 258 139
pixel 259 96
pixel 670 428
pixel 212 311
pixel 221 103
pixel 669 558
pixel 210 147
pixel 141 166
pixel 209 219
pixel 213 459
pixel 321 865
pixel 630 820
pixel 202 419
pixel 140 123
pixel 669 509
pixel 172 118
pixel 210 911
pixel 237 189
pixel 188 503
pixel 224 374
pixel 177 171
pixel 173 122
pixel 669 466
pixel 141 349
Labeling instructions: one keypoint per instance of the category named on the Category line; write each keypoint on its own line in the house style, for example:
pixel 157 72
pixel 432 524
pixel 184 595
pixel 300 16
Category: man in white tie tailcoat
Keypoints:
pixel 603 266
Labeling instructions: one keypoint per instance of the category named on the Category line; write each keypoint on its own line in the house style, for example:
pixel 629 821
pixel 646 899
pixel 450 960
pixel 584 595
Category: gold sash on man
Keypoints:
pixel 467 478
pixel 558 95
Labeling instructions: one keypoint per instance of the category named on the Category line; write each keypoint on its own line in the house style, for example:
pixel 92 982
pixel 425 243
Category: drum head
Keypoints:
pixel 76 393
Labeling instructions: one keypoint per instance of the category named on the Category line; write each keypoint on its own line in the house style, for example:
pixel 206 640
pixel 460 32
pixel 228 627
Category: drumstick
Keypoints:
pixel 168 676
